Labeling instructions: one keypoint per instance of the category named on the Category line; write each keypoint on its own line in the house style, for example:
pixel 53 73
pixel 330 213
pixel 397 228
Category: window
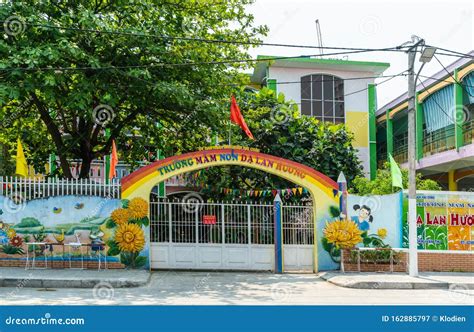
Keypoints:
pixel 322 96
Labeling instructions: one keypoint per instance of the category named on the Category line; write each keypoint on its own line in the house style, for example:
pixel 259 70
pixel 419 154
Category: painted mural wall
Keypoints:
pixel 445 220
pixel 101 224
pixel 371 221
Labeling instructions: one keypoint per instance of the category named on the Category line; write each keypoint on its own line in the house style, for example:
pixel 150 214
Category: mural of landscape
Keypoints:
pixel 75 219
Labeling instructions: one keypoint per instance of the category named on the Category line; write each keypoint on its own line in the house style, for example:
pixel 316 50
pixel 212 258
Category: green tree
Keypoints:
pixel 67 75
pixel 280 130
pixel 382 184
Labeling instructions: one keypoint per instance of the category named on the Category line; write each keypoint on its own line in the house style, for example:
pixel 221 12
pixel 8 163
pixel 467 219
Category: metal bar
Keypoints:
pixel 223 222
pixel 249 221
pixel 170 231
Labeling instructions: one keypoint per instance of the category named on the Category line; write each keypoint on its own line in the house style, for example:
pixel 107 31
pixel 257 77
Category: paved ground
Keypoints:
pixel 194 288
pixel 426 280
pixel 71 278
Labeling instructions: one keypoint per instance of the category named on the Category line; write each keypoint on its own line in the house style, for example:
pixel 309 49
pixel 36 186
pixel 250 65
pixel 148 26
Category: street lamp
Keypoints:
pixel 426 56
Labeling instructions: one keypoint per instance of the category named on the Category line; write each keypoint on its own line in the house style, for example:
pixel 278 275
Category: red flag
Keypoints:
pixel 113 162
pixel 237 118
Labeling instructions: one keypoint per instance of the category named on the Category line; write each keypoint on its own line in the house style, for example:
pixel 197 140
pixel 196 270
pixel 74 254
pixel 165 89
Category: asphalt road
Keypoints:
pixel 211 288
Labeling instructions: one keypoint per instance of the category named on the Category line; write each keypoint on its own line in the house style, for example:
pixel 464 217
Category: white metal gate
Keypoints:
pixel 227 236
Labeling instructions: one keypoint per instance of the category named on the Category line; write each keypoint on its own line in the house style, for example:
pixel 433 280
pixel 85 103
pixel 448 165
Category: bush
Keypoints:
pixel 382 184
pixel 28 222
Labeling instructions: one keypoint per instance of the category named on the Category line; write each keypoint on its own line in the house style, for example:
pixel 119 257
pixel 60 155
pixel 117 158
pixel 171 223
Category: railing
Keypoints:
pixel 376 257
pixel 194 221
pixel 21 189
pixel 381 159
pixel 438 141
pixel 468 132
pixel 400 154
pixel 400 148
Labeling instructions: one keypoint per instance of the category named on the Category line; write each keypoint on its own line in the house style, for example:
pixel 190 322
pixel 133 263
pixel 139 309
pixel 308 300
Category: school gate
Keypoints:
pixel 191 234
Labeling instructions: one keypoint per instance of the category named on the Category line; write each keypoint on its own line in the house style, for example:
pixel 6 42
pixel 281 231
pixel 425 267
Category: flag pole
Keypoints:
pixel 230 131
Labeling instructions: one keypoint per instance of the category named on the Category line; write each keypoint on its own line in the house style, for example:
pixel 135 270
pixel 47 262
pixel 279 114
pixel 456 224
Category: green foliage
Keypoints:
pixel 280 130
pixel 114 250
pixel 28 222
pixel 142 221
pixel 382 184
pixel 40 236
pixel 110 223
pixel 373 241
pixel 12 250
pixel 132 260
pixel 334 211
pixel 334 253
pixel 156 99
pixel 125 203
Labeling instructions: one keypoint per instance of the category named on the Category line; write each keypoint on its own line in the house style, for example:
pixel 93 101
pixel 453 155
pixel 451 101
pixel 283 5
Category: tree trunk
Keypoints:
pixel 85 167
pixel 65 166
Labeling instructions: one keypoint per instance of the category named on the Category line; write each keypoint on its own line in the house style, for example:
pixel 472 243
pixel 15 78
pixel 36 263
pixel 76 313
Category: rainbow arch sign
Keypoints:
pixel 323 190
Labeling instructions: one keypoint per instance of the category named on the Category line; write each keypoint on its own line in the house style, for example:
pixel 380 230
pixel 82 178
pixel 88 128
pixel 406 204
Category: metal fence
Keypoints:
pixel 25 189
pixel 227 223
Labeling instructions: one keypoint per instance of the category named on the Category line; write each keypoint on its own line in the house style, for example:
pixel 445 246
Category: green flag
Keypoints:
pixel 396 173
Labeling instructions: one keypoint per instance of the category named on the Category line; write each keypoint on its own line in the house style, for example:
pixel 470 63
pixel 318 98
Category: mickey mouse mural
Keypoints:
pixel 364 217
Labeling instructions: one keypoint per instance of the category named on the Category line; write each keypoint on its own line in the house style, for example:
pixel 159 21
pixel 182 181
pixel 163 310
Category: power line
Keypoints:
pixel 240 42
pixel 170 64
pixel 443 80
pixel 466 55
pixel 277 83
pixel 454 78
pixel 211 41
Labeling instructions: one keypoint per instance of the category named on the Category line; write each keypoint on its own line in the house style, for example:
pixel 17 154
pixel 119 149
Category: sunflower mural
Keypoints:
pixel 346 234
pixel 128 240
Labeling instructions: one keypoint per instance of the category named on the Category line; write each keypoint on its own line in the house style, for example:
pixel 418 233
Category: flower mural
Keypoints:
pixel 382 233
pixel 130 237
pixel 129 240
pixel 138 208
pixel 3 237
pixel 11 233
pixel 16 241
pixel 121 216
pixel 342 233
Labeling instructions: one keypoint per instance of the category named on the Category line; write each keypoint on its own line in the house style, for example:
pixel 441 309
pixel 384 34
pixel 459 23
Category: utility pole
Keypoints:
pixel 412 226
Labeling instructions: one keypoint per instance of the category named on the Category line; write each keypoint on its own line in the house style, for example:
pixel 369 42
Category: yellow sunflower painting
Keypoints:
pixel 130 237
pixel 138 208
pixel 343 233
pixel 121 216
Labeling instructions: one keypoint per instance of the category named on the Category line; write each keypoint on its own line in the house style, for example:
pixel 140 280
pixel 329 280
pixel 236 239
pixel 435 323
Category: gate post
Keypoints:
pixel 277 237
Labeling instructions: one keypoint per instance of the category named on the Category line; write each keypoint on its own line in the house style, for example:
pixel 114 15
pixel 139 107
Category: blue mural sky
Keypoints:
pixel 58 210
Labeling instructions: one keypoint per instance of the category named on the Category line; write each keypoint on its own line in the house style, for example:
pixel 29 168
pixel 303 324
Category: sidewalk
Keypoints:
pixel 426 280
pixel 67 278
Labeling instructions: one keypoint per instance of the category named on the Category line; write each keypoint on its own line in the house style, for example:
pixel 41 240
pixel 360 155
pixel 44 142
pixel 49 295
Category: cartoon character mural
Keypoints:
pixel 369 225
pixel 363 218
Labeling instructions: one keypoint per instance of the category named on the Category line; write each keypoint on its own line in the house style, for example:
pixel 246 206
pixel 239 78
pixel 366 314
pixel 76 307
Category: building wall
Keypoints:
pixel 355 103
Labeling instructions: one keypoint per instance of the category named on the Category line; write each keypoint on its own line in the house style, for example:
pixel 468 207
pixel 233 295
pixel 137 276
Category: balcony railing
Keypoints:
pixel 381 159
pixel 400 148
pixel 438 141
pixel 468 132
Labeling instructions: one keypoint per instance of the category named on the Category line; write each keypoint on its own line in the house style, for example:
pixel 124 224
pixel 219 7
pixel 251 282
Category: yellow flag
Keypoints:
pixel 21 164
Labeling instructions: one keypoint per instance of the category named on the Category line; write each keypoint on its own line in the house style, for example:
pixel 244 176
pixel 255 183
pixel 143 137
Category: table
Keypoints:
pixel 33 265
pixel 74 246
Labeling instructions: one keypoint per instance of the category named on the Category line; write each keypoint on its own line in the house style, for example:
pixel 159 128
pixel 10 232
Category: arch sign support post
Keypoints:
pixel 323 190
